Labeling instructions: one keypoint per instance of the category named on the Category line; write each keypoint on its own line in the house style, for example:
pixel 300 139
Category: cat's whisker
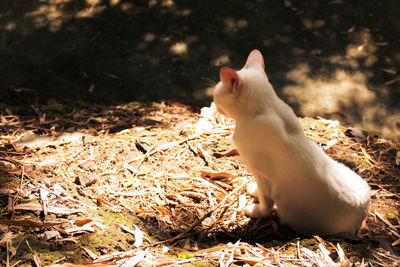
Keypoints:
pixel 209 82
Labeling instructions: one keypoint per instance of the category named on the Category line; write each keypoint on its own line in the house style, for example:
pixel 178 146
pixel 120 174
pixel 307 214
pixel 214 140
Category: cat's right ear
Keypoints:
pixel 255 60
pixel 230 79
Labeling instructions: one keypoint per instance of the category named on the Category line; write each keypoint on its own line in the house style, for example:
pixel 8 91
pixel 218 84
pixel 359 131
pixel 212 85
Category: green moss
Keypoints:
pixel 316 130
pixel 110 239
pixel 24 201
pixel 355 252
pixel 291 250
pixel 361 161
pixel 46 252
pixel 311 123
pixel 109 217
pixel 372 138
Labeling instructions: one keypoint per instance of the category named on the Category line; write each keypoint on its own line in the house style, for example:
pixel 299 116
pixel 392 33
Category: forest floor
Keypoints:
pixel 155 185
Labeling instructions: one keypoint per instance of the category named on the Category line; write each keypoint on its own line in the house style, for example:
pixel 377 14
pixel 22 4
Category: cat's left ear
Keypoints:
pixel 230 79
pixel 255 60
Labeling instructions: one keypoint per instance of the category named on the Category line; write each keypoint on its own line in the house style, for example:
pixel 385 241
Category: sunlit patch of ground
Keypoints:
pixel 150 184
pixel 346 93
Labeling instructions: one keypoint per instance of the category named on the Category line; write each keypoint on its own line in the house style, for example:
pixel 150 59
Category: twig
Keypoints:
pixel 383 219
pixel 163 147
pixel 18 192
pixel 395 80
pixel 7 243
pixel 35 256
pixel 208 214
pixel 206 156
pixel 373 162
pixel 77 153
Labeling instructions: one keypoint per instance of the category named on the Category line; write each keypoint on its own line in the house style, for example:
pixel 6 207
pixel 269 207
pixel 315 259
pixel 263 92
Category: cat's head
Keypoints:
pixel 243 92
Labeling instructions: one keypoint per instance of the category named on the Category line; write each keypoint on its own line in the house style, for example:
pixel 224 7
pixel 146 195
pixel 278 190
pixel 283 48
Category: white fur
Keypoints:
pixel 313 193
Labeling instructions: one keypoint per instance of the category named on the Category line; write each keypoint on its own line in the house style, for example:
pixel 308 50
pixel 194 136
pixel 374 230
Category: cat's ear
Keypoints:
pixel 255 60
pixel 230 79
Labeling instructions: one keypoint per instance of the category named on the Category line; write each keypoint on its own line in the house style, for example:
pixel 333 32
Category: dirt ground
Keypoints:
pixel 330 58
pixel 154 185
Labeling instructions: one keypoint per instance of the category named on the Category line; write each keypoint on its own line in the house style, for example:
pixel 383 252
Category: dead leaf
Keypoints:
pixel 382 218
pixel 107 204
pixel 6 242
pixel 117 255
pixel 31 139
pixel 138 237
pixel 91 88
pixel 142 145
pixel 82 222
pixel 44 199
pixel 51 234
pixel 6 238
pixel 395 80
pixel 330 144
pixel 384 244
pixel 191 194
pixel 230 153
pixel 82 229
pixel 133 261
pixel 61 230
pixel 113 76
pixel 35 256
pixel 250 260
pixel 28 223
pixel 395 243
pixel 126 229
pixel 206 156
pixel 7 165
pixel 84 265
pixel 37 207
pixel 85 179
pixel 91 254
pixel 217 175
pixel 4 191
pixel 163 210
pixel 58 190
pixel 356 134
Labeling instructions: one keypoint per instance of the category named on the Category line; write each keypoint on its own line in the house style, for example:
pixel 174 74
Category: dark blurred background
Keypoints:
pixel 336 59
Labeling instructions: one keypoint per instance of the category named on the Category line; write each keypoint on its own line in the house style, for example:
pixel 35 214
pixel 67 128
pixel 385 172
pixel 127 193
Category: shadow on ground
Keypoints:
pixel 331 58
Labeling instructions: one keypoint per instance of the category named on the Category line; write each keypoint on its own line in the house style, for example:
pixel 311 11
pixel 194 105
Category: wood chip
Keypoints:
pixel 82 222
pixel 206 156
pixel 90 253
pixel 28 223
pixel 383 219
pixel 229 153
pixel 85 179
pixel 51 234
pixel 51 209
pixel 82 229
pixel 217 175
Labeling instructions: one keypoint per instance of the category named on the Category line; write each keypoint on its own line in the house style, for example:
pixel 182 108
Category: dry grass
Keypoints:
pixel 157 175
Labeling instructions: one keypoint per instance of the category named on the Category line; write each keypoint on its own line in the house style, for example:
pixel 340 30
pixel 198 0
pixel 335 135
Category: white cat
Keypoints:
pixel 313 193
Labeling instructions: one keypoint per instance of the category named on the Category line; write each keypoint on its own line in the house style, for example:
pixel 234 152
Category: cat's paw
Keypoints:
pixel 256 211
pixel 252 189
